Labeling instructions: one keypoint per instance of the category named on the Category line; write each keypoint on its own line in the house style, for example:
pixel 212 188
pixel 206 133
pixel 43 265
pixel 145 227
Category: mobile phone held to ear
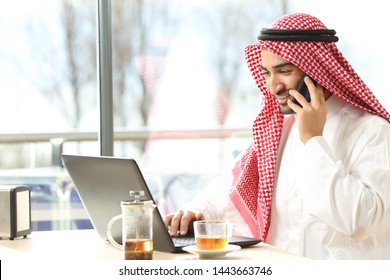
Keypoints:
pixel 302 89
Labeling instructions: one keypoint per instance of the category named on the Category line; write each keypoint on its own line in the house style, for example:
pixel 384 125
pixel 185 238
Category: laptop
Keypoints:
pixel 103 182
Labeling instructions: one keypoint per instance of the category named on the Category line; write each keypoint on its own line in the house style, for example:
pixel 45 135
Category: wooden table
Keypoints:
pixel 86 245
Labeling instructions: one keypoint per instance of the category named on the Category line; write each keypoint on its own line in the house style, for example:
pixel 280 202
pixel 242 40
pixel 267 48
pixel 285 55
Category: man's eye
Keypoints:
pixel 284 72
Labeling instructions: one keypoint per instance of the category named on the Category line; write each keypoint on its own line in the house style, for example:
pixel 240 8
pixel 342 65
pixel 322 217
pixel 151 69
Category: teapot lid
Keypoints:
pixel 135 195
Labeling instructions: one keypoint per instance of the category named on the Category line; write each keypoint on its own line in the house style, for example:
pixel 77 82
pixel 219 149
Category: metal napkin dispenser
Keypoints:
pixel 15 213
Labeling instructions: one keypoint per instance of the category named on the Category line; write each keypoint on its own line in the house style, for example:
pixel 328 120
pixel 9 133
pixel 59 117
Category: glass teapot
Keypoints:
pixel 137 228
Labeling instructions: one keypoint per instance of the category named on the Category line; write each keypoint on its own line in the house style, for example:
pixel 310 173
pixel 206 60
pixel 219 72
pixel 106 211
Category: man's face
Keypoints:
pixel 280 76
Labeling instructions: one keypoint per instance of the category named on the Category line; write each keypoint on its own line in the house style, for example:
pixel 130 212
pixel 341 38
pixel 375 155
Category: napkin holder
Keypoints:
pixel 15 214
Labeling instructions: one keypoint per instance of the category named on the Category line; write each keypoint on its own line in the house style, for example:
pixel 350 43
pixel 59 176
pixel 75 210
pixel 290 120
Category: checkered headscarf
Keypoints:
pixel 254 174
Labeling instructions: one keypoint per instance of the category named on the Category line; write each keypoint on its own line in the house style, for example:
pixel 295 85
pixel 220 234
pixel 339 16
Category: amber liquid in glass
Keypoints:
pixel 211 243
pixel 138 249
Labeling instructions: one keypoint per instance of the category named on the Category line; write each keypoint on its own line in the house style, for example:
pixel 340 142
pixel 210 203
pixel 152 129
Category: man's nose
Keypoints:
pixel 274 85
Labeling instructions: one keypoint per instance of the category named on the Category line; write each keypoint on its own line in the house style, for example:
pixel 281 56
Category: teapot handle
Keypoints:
pixel 109 234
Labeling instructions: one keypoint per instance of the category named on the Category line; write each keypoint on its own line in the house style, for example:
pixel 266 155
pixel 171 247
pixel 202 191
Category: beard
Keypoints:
pixel 281 98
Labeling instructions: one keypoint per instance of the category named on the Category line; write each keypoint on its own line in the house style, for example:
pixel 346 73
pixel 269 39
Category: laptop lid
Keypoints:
pixel 103 182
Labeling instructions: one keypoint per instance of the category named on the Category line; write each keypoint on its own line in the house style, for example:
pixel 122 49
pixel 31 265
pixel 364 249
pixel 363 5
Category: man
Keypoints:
pixel 316 180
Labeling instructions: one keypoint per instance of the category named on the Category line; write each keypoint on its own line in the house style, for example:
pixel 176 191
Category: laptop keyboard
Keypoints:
pixel 183 240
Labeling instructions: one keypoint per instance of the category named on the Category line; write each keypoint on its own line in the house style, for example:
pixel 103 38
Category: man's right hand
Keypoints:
pixel 179 222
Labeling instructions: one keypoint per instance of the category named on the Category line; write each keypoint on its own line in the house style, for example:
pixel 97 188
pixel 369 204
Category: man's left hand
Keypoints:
pixel 311 116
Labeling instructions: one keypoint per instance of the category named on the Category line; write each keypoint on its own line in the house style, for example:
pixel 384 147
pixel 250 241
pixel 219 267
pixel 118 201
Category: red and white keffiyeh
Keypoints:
pixel 254 174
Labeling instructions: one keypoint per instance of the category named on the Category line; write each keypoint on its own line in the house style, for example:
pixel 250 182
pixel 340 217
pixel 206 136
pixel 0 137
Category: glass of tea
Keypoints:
pixel 212 234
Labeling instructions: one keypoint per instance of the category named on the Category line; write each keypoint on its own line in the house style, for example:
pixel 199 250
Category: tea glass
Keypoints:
pixel 212 234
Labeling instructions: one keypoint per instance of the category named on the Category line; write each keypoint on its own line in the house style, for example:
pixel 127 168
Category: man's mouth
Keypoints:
pixel 282 99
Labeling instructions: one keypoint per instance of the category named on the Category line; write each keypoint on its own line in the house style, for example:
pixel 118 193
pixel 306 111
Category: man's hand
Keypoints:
pixel 180 221
pixel 311 116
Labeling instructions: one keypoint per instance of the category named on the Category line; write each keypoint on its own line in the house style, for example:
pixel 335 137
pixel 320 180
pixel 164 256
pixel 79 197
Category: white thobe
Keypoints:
pixel 331 197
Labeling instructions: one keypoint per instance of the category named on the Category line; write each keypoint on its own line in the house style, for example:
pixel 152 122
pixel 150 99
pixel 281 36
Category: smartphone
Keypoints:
pixel 302 89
